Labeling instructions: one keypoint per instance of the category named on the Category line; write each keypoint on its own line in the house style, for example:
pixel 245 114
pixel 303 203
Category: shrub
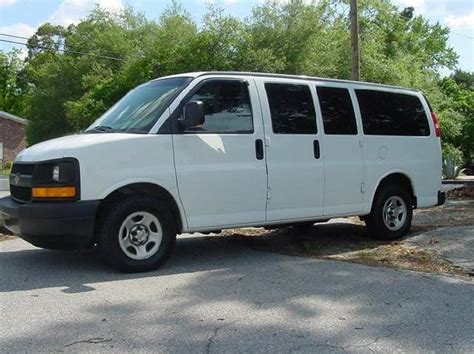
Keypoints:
pixel 7 167
pixel 450 169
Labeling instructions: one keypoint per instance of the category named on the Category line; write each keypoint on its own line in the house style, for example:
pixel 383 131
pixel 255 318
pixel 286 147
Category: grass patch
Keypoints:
pixel 397 255
pixel 6 169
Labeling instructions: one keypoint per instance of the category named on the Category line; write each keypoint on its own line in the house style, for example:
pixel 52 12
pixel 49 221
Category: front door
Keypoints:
pixel 294 157
pixel 220 166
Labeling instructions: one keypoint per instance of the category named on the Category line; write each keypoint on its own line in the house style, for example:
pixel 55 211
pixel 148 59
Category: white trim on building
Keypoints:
pixel 13 117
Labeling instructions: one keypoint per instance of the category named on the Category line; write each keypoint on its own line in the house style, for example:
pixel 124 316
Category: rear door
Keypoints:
pixel 342 146
pixel 220 167
pixel 398 138
pixel 295 167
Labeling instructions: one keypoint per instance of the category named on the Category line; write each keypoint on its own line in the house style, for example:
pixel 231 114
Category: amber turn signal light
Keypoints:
pixel 54 192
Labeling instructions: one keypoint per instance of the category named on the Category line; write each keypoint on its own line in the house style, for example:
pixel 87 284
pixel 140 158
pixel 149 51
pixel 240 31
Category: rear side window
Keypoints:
pixel 337 111
pixel 227 107
pixel 291 108
pixel 388 113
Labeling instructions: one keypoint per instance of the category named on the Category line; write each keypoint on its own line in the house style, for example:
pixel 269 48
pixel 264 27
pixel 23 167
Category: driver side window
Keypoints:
pixel 227 107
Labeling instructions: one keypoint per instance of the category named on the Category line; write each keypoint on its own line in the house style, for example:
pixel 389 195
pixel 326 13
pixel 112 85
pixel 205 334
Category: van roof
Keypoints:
pixel 301 77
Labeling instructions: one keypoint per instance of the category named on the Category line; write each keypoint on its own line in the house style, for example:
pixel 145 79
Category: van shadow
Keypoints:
pixel 321 240
pixel 27 268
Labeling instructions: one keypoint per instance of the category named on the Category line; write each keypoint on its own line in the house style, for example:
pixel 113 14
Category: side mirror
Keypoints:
pixel 193 114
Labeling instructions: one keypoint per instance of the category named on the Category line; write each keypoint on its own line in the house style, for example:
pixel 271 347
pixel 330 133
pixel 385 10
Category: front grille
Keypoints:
pixel 20 181
pixel 23 169
pixel 22 194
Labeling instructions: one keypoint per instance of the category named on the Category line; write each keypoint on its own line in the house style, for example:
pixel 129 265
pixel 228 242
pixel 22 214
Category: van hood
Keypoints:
pixel 69 146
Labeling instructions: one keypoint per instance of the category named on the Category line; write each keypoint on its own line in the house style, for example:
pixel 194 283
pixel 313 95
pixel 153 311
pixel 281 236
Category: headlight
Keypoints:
pixel 56 180
pixel 56 173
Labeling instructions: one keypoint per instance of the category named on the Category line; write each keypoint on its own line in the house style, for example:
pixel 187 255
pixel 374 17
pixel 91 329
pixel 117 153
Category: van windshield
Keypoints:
pixel 139 109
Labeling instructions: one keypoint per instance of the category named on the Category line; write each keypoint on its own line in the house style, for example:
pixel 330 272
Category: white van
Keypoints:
pixel 215 150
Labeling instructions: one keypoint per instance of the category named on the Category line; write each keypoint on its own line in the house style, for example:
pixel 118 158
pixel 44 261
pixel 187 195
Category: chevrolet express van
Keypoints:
pixel 200 152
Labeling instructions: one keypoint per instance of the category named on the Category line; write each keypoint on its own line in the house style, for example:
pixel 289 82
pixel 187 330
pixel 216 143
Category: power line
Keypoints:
pixel 426 19
pixel 63 50
pixel 13 36
pixel 462 35
pixel 451 32
pixel 27 38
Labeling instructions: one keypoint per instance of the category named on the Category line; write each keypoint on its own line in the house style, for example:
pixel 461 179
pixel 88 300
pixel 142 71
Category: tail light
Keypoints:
pixel 436 124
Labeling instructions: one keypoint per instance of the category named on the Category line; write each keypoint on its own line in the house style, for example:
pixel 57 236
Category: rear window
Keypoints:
pixel 337 111
pixel 291 108
pixel 388 113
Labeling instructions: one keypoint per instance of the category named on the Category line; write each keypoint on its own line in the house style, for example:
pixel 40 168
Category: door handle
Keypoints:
pixel 316 149
pixel 259 149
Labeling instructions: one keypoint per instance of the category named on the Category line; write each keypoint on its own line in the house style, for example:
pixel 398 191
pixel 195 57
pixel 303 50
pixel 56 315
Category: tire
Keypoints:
pixel 137 234
pixel 391 214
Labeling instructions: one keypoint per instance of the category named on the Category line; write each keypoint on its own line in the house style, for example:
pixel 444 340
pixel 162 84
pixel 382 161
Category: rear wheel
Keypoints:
pixel 391 214
pixel 137 234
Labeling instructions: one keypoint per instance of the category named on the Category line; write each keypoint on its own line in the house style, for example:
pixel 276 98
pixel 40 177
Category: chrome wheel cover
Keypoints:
pixel 394 213
pixel 140 235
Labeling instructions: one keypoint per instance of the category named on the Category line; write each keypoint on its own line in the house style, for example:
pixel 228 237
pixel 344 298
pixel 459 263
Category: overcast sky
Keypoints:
pixel 22 17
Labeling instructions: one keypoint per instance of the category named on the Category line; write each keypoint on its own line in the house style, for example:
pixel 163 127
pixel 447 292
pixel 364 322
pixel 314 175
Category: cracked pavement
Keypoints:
pixel 455 244
pixel 215 295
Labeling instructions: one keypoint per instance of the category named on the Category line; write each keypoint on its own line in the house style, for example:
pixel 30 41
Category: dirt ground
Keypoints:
pixel 4 233
pixel 465 193
pixel 4 237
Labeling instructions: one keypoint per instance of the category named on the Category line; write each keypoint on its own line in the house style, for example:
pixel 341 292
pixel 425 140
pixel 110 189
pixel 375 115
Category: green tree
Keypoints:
pixel 464 79
pixel 53 79
pixel 285 35
pixel 12 86
pixel 457 115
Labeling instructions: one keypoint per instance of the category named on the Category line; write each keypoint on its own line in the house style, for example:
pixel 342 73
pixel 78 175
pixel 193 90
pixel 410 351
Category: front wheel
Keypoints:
pixel 137 234
pixel 391 214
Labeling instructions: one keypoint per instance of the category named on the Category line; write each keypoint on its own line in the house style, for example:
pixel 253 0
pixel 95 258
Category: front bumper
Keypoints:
pixel 56 225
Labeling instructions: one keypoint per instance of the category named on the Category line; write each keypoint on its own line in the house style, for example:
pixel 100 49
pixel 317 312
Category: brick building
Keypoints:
pixel 12 136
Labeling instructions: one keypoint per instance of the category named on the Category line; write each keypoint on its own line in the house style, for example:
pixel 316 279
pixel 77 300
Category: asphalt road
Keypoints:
pixel 219 296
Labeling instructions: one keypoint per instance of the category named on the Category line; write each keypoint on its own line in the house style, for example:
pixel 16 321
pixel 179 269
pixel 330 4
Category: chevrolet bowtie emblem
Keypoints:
pixel 16 180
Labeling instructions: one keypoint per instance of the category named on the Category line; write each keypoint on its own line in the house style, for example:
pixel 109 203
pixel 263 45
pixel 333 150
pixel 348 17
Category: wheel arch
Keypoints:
pixel 144 188
pixel 397 178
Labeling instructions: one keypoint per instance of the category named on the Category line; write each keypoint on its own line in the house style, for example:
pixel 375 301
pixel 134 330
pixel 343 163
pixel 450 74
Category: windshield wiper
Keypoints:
pixel 134 130
pixel 100 129
pixel 107 129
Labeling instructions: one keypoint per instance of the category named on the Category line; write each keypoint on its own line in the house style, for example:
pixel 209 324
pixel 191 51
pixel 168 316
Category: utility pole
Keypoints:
pixel 355 41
